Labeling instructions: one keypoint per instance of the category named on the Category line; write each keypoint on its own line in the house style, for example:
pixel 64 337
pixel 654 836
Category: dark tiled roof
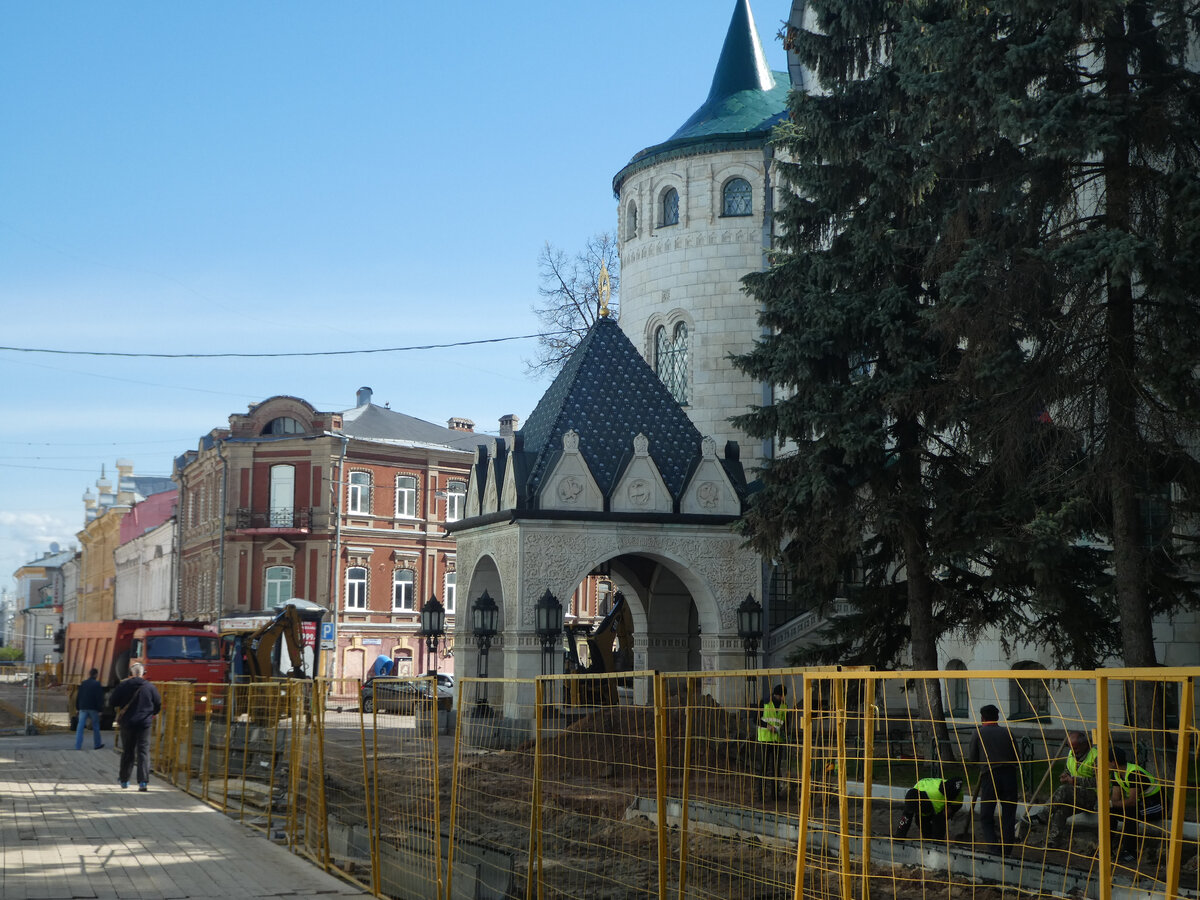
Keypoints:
pixel 378 423
pixel 608 394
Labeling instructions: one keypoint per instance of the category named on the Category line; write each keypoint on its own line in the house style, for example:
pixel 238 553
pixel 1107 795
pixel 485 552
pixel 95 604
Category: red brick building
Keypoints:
pixel 344 509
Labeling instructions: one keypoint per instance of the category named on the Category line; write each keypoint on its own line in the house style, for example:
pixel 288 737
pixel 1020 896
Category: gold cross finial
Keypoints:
pixel 603 289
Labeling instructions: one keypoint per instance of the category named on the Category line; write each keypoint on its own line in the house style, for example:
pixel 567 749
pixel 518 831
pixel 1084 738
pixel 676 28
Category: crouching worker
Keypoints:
pixel 1136 800
pixel 929 802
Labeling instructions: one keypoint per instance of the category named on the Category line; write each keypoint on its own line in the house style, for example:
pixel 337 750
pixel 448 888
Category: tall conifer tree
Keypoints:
pixel 967 332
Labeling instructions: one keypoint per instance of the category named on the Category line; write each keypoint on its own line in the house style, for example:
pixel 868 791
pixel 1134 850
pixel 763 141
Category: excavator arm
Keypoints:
pixel 260 646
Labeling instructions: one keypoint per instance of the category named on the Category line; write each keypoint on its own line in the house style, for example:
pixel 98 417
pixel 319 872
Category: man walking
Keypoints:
pixel 992 745
pixel 89 700
pixel 137 702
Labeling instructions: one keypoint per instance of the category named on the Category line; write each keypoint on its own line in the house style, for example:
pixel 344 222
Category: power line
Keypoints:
pixel 520 337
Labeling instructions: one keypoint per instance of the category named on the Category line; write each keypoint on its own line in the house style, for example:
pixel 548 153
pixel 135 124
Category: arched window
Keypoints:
pixel 283 425
pixel 737 199
pixel 359 493
pixel 1029 698
pixel 958 690
pixel 356 587
pixel 456 498
pixel 403 581
pixel 670 207
pixel 671 360
pixel 406 496
pixel 279 586
pixel 631 222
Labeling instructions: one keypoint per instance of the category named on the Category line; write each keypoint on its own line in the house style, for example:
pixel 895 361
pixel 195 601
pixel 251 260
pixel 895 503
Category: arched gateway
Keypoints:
pixel 608 475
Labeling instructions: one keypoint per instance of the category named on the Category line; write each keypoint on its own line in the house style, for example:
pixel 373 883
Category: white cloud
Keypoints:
pixel 24 537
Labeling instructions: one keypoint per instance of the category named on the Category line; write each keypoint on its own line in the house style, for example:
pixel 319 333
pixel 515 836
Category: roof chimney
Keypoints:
pixel 459 423
pixel 508 425
pixel 364 396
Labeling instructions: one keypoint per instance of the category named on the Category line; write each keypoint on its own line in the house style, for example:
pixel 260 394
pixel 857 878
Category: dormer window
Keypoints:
pixel 283 425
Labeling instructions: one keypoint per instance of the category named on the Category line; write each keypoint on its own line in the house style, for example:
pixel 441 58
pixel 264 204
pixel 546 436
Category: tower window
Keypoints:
pixel 737 198
pixel 671 360
pixel 670 207
pixel 631 222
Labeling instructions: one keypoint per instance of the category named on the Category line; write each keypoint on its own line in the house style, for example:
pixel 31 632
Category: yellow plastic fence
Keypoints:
pixel 666 785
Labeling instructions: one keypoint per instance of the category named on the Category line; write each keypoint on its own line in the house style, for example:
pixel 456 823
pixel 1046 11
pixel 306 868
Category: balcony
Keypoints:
pixel 279 519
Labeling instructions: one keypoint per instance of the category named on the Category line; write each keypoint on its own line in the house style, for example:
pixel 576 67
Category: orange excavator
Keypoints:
pixel 257 655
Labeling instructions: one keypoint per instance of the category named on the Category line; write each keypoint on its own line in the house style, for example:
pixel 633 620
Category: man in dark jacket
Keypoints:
pixel 992 745
pixel 89 700
pixel 137 702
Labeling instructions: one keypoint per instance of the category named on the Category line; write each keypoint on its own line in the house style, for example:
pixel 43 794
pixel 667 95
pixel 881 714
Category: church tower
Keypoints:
pixel 694 216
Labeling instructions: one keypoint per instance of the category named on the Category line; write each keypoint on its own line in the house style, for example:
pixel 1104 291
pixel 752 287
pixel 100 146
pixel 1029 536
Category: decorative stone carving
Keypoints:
pixel 570 484
pixel 640 488
pixel 709 492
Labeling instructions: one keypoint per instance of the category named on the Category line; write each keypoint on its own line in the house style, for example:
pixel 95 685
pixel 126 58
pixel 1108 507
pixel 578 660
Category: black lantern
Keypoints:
pixel 749 618
pixel 549 622
pixel 485 619
pixel 433 627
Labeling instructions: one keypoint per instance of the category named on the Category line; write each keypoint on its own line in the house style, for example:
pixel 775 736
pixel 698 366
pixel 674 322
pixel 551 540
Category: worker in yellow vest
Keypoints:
pixel 771 724
pixel 930 802
pixel 1137 799
pixel 1076 791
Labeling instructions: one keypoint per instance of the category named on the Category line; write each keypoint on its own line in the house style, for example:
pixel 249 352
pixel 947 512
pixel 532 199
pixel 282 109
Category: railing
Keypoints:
pixel 283 517
pixel 543 791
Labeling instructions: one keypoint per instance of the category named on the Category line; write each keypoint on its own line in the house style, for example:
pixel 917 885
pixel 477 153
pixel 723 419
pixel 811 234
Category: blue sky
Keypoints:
pixel 249 177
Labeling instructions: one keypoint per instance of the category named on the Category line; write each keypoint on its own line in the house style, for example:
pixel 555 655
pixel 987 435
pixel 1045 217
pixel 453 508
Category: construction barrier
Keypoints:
pixel 665 785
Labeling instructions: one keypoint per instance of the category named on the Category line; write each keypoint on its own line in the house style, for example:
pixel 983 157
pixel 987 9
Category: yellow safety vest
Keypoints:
pixel 771 715
pixel 1083 768
pixel 932 788
pixel 1122 780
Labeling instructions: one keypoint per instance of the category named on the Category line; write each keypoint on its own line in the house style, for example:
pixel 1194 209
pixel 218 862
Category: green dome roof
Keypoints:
pixel 745 102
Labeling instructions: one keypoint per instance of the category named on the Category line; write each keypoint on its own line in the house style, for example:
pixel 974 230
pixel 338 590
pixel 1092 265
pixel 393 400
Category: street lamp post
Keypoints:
pixel 749 619
pixel 549 624
pixel 433 628
pixel 484 620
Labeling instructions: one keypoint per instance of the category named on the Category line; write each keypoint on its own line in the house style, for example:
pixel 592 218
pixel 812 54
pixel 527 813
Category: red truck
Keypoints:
pixel 170 651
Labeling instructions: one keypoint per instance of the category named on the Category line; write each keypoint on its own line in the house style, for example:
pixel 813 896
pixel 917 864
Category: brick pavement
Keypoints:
pixel 68 830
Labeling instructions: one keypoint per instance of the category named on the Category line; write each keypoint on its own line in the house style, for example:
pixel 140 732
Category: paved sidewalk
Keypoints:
pixel 68 830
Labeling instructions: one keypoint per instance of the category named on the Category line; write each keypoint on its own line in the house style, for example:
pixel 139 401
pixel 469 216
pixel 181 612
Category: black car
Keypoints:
pixel 399 695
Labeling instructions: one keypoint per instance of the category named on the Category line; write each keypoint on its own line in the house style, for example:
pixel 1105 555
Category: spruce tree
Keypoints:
pixel 979 250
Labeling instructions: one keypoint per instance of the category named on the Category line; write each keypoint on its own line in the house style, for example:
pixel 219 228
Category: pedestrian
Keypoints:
pixel 999 782
pixel 928 802
pixel 137 702
pixel 771 723
pixel 1136 800
pixel 89 701
pixel 1077 788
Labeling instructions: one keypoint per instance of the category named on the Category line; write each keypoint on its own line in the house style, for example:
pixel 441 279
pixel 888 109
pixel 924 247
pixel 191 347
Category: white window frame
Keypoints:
pixel 406 497
pixel 358 493
pixel 356 588
pixel 282 500
pixel 450 591
pixel 271 585
pixel 399 602
pixel 456 500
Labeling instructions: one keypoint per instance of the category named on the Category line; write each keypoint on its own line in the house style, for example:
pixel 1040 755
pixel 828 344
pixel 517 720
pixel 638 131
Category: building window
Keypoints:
pixel 403 581
pixel 359 500
pixel 450 591
pixel 48 632
pixel 671 360
pixel 631 222
pixel 1029 697
pixel 670 207
pixel 279 586
pixel 456 498
pixel 283 484
pixel 406 496
pixel 356 587
pixel 737 199
pixel 283 425
pixel 959 690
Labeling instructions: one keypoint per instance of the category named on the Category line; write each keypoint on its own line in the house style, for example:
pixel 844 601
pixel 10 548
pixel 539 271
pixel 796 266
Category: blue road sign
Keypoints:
pixel 327 631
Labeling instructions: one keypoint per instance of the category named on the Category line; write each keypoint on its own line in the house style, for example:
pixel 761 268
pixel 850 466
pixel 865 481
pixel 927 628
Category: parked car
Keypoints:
pixel 400 695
